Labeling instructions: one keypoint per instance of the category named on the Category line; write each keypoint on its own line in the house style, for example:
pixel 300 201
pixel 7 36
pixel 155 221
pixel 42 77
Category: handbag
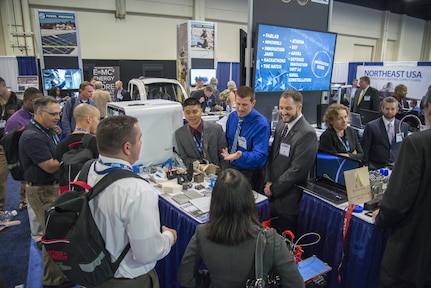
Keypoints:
pixel 272 280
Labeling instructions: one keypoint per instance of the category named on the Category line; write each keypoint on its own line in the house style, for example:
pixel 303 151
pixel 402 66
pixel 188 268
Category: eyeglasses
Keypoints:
pixel 53 114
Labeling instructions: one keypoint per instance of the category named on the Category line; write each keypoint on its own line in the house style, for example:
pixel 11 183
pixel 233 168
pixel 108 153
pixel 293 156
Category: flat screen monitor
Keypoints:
pixel 331 168
pixel 205 74
pixel 293 58
pixel 368 115
pixel 65 79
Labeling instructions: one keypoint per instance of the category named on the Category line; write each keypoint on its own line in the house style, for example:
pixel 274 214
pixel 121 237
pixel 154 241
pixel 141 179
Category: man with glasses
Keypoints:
pixel 68 122
pixel 37 154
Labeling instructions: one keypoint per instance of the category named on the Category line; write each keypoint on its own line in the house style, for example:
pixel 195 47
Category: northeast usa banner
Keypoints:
pixel 386 78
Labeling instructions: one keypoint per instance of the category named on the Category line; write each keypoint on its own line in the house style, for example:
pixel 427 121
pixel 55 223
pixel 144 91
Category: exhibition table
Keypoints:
pixel 364 246
pixel 173 217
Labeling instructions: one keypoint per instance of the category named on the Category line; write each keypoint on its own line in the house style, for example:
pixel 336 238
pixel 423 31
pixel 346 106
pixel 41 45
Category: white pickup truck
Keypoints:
pixel 156 88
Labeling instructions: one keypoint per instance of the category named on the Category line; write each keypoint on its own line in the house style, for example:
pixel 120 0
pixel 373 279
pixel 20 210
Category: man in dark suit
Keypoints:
pixel 291 156
pixel 405 209
pixel 365 98
pixel 198 140
pixel 121 94
pixel 379 150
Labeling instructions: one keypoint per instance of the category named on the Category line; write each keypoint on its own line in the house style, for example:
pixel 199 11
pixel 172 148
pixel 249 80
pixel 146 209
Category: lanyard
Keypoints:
pixel 52 137
pixel 112 167
pixel 209 101
pixel 345 144
pixel 201 145
pixel 82 129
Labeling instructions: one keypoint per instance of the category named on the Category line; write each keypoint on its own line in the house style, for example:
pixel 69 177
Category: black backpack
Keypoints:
pixel 74 159
pixel 10 143
pixel 72 238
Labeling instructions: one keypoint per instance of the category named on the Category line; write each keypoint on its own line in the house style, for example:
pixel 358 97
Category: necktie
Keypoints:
pixel 361 95
pixel 197 135
pixel 390 133
pixel 235 140
pixel 283 134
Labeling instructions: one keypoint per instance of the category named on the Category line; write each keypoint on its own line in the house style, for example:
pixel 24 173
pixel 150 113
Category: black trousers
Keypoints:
pixel 254 177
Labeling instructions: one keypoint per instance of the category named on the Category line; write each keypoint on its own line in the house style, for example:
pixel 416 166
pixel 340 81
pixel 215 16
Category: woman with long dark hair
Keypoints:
pixel 226 244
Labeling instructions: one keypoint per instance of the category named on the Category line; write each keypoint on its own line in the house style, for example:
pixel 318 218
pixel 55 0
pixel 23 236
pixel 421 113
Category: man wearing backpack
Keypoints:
pixel 9 103
pixel 87 118
pixel 127 211
pixel 37 154
pixel 21 118
pixel 68 123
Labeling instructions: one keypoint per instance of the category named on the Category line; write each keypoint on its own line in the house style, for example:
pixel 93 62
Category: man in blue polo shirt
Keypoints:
pixel 247 135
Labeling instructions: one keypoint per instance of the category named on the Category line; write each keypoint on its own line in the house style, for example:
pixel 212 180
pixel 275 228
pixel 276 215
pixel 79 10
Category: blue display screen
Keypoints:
pixel 63 78
pixel 293 58
pixel 332 167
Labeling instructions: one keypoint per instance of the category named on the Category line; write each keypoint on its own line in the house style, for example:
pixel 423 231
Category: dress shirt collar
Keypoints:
pixel 200 128
pixel 105 159
pixel 386 122
pixel 291 124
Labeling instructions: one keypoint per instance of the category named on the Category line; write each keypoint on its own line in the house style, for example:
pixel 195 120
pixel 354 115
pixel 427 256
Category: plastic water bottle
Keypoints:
pixel 275 117
pixel 7 216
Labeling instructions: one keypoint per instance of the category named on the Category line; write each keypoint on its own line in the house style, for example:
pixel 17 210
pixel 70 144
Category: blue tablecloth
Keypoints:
pixel 364 249
pixel 185 225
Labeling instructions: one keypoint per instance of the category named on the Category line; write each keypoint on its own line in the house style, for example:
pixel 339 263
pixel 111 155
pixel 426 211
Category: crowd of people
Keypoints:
pixel 247 161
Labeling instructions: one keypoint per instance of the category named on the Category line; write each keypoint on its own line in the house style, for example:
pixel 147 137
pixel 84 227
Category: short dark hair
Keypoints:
pixel 30 92
pixel 400 88
pixel 84 84
pixel 42 103
pixel 245 91
pixel 113 132
pixel 2 81
pixel 232 209
pixel 294 94
pixel 191 102
pixel 209 89
pixel 366 79
pixel 388 99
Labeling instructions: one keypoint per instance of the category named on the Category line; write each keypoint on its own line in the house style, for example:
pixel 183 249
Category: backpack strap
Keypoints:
pixel 86 140
pixel 100 186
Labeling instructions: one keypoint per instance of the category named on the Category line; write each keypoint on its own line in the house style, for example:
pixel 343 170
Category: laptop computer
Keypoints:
pixel 328 181
pixel 356 121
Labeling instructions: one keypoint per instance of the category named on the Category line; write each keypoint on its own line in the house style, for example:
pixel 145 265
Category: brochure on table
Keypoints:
pixel 195 201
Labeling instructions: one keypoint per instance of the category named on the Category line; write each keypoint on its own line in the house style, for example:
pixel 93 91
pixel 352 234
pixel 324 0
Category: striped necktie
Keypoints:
pixel 283 134
pixel 235 140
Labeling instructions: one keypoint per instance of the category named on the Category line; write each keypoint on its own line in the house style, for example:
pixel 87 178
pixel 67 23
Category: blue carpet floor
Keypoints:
pixel 20 259
pixel 14 242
